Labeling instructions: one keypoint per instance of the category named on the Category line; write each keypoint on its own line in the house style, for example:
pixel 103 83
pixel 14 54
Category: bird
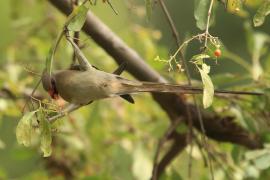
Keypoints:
pixel 81 87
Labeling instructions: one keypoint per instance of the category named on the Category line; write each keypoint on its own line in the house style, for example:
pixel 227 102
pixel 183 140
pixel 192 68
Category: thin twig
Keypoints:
pixel 160 144
pixel 208 22
pixel 31 95
pixel 177 39
pixel 110 4
pixel 76 38
pixel 32 72
pixel 84 64
pixel 69 109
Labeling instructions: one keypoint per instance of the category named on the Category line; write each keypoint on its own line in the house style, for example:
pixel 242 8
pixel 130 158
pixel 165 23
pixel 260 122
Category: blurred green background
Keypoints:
pixel 110 139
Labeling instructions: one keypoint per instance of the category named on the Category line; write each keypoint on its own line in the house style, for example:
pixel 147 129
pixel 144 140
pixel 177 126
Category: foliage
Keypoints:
pixel 200 13
pixel 24 129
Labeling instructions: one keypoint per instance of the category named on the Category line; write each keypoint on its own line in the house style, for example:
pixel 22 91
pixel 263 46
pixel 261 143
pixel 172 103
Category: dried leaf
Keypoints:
pixel 77 18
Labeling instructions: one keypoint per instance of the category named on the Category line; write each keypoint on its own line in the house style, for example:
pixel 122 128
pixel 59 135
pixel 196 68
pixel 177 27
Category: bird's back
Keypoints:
pixel 81 87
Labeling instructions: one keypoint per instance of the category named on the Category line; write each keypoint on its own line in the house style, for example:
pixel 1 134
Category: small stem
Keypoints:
pixel 169 131
pixel 31 95
pixel 69 109
pixel 76 37
pixel 110 4
pixel 208 22
pixel 183 44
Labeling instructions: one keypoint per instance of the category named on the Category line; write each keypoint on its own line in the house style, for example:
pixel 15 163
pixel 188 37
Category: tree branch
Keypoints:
pixel 179 143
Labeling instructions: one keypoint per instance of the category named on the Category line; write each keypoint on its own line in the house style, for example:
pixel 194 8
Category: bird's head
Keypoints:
pixel 48 82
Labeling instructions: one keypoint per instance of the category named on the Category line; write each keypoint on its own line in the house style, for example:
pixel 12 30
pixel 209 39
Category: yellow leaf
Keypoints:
pixel 208 87
pixel 24 129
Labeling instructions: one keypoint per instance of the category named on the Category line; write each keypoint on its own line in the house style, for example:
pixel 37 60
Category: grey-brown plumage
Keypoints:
pixel 82 87
pixel 118 71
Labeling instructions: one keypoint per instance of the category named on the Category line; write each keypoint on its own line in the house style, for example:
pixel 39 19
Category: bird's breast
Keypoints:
pixel 80 87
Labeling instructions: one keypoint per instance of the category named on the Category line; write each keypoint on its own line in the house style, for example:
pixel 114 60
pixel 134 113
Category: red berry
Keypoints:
pixel 217 52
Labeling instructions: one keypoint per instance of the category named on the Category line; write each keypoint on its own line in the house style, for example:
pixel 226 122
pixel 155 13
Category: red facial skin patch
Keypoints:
pixel 53 94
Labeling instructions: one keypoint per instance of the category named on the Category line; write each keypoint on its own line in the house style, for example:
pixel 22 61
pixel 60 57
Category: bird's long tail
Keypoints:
pixel 173 88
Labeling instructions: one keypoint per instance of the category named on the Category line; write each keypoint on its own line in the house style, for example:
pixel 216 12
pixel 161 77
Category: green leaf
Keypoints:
pixel 148 7
pixel 77 18
pixel 249 36
pixel 24 129
pixel 198 59
pixel 208 87
pixel 262 12
pixel 200 56
pixel 257 70
pixel 201 12
pixel 46 136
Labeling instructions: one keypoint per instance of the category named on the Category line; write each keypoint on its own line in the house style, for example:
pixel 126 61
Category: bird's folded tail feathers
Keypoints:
pixel 159 87
pixel 174 88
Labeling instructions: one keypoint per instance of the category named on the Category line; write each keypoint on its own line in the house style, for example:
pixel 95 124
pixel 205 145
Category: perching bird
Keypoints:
pixel 83 86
